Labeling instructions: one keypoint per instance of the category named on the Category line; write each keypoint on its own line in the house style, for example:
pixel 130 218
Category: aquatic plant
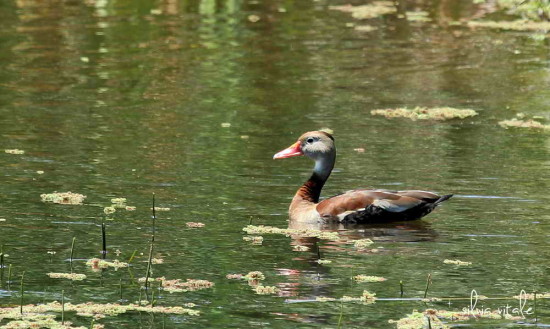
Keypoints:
pixel 254 239
pixel 456 262
pixel 372 10
pixel 234 276
pixel 368 278
pixel 300 248
pixel 418 16
pixel 417 320
pixel 160 209
pixel 118 201
pixel 109 210
pixel 70 276
pixel 261 229
pixel 365 28
pixel 177 285
pixel 517 123
pixel 266 290
pixel 194 224
pixel 14 151
pixel 517 25
pixel 362 243
pixel 324 299
pixel 323 261
pixel 254 275
pixel 97 264
pixel 157 261
pixel 424 113
pixel 367 298
pixel 529 9
pixel 63 198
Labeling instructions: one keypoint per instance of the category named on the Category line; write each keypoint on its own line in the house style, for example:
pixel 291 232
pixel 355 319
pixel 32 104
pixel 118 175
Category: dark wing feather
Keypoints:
pixel 379 205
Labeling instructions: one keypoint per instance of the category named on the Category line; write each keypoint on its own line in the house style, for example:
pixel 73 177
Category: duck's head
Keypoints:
pixel 317 145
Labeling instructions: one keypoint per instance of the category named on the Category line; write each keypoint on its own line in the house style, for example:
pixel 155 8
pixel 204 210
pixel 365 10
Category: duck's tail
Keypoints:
pixel 443 198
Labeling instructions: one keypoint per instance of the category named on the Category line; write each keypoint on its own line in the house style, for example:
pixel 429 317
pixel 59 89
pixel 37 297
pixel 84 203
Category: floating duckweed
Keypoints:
pixel 157 261
pixel 234 276
pixel 194 224
pixel 531 296
pixel 226 124
pixel 418 16
pixel 14 151
pixel 130 208
pixel 2 219
pixel 362 243
pixel 253 19
pixel 70 276
pixel 266 290
pixel 177 285
pixel 368 295
pixel 424 113
pixel 63 197
pixel 417 320
pixel 469 314
pixel 368 278
pixel 456 262
pixel 359 150
pixel 523 124
pixel 89 309
pixel 300 248
pixel 517 25
pixel 324 299
pixel 261 229
pixel 97 264
pixel 109 210
pixel 254 275
pixel 375 9
pixel 120 201
pixel 254 239
pixel 365 28
pixel 40 172
pixel 323 261
pixel 161 209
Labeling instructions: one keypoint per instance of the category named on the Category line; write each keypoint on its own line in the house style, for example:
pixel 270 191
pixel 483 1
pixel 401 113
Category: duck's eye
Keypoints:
pixel 310 140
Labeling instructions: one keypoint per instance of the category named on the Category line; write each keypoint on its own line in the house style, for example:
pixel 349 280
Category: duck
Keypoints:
pixel 355 206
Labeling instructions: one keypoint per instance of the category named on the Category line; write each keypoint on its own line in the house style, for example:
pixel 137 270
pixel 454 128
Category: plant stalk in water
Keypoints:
pixel 401 287
pixel 72 253
pixel 62 307
pixel 428 282
pixel 154 219
pixel 9 277
pixel 148 270
pixel 104 241
pixel 21 291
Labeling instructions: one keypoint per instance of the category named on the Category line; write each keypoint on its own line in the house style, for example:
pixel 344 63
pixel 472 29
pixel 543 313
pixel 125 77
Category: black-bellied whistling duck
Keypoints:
pixel 356 206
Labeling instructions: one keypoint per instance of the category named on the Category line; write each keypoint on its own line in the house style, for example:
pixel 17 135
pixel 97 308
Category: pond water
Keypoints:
pixel 189 100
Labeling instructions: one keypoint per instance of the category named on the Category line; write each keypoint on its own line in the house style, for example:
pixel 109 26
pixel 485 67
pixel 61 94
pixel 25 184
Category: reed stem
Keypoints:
pixel 21 293
pixel 154 219
pixel 9 277
pixel 104 241
pixel 72 253
pixel 401 287
pixel 148 270
pixel 428 282
pixel 62 307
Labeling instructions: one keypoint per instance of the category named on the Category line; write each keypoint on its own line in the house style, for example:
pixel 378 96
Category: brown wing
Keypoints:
pixel 352 201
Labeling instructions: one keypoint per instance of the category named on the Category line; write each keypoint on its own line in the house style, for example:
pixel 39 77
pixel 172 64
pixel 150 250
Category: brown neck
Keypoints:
pixel 311 190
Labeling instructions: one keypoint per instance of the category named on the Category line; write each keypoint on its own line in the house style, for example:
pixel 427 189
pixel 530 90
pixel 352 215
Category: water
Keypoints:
pixel 125 99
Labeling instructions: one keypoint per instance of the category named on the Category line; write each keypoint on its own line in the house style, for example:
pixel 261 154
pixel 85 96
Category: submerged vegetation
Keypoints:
pixel 424 113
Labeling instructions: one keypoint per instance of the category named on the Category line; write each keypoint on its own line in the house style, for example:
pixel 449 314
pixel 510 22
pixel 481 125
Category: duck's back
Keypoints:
pixel 374 206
